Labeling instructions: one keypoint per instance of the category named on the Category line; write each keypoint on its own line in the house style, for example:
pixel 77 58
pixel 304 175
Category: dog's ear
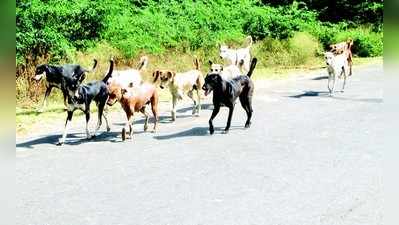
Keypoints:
pixel 123 91
pixel 210 63
pixel 221 67
pixel 155 75
pixel 171 74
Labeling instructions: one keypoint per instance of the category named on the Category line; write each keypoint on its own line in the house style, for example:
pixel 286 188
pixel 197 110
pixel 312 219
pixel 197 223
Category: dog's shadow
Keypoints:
pixel 77 139
pixel 161 119
pixel 320 78
pixel 311 94
pixel 189 109
pixel 335 97
pixel 195 132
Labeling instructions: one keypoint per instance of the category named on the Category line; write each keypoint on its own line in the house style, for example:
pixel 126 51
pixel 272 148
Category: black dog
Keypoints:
pixel 80 97
pixel 55 77
pixel 225 93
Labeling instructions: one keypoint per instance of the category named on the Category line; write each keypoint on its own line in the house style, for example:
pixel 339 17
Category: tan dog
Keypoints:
pixel 133 100
pixel 181 84
pixel 344 48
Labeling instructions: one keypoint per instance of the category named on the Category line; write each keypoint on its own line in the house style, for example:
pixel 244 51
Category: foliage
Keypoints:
pixel 57 29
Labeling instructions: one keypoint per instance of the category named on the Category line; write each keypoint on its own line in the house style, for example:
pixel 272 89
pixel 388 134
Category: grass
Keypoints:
pixel 27 117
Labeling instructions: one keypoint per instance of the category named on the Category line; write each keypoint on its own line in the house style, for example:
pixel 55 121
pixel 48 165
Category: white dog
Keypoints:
pixel 130 77
pixel 337 65
pixel 181 84
pixel 239 57
pixel 227 72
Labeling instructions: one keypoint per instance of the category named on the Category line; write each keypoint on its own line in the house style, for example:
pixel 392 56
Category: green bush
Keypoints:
pixel 58 28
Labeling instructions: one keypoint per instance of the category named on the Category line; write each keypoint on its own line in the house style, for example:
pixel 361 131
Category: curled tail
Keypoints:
pixel 143 63
pixel 196 63
pixel 252 67
pixel 111 69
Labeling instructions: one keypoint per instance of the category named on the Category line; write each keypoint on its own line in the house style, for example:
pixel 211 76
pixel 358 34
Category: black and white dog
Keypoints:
pixel 226 92
pixel 55 77
pixel 81 95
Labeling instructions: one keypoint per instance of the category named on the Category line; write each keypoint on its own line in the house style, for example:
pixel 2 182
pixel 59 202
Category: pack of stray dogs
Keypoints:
pixel 227 83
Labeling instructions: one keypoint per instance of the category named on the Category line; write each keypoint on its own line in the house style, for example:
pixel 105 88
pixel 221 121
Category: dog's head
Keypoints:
pixel 215 68
pixel 72 84
pixel 329 57
pixel 212 81
pixel 164 77
pixel 40 72
pixel 224 51
pixel 114 93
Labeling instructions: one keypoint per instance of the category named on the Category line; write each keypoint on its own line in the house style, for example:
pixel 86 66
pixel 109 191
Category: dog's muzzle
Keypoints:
pixel 206 89
pixel 111 102
pixel 38 77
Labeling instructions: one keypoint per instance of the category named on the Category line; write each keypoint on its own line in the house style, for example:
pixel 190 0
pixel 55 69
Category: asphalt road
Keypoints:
pixel 308 159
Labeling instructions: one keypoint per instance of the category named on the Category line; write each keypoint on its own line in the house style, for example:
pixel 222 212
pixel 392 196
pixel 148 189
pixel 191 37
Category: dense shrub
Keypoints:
pixel 61 27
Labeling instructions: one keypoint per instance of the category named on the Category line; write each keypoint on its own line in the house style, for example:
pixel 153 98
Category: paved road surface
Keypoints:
pixel 308 159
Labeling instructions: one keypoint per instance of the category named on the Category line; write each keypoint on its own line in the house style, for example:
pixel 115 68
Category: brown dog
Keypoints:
pixel 133 100
pixel 346 48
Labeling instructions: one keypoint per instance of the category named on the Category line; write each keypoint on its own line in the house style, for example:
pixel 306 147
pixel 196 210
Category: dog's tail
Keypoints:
pixel 196 63
pixel 143 63
pixel 93 68
pixel 349 43
pixel 252 67
pixel 111 69
pixel 250 41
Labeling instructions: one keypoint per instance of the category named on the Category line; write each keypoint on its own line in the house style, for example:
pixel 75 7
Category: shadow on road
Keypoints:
pixel 195 132
pixel 320 78
pixel 162 119
pixel 72 139
pixel 326 94
pixel 189 109
pixel 311 94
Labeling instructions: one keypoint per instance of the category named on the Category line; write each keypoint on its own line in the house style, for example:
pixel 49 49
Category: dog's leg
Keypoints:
pixel 174 102
pixel 154 108
pixel 101 106
pixel 88 136
pixel 68 120
pixel 106 122
pixel 146 118
pixel 344 71
pixel 214 113
pixel 247 105
pixel 334 82
pixel 44 104
pixel 329 82
pixel 191 95
pixel 231 109
pixel 128 124
pixel 130 121
pixel 199 102
pixel 350 64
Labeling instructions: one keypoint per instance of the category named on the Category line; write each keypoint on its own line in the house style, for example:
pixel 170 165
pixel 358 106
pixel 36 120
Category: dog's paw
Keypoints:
pixel 225 131
pixel 108 129
pixel 60 143
pixel 211 131
pixel 41 110
pixel 247 125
